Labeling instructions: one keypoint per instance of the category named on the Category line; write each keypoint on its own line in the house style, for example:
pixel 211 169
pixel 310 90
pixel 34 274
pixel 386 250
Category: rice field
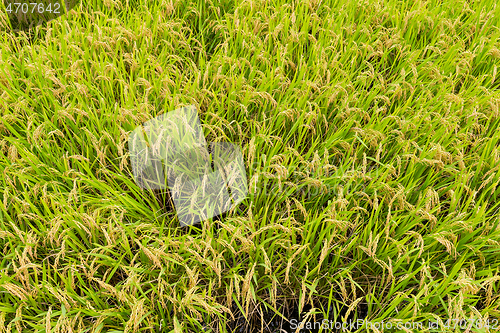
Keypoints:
pixel 369 132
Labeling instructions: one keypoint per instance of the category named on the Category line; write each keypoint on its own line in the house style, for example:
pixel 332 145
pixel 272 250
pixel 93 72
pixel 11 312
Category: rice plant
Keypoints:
pixel 370 138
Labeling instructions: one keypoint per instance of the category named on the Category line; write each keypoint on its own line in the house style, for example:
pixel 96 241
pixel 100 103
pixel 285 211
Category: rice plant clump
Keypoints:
pixel 369 134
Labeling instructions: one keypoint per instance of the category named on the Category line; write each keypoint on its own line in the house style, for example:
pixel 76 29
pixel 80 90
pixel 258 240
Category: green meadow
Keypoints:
pixel 369 132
